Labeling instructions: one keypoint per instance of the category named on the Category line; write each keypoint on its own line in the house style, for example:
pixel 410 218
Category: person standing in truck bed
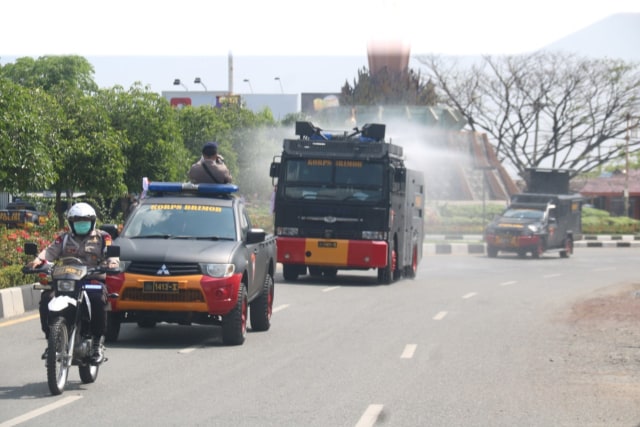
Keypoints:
pixel 210 168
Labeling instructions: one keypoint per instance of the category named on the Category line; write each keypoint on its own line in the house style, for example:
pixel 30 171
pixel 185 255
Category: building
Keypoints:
pixel 607 192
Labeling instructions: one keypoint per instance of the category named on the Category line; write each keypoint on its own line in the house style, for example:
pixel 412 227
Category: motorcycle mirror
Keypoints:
pixel 30 248
pixel 113 251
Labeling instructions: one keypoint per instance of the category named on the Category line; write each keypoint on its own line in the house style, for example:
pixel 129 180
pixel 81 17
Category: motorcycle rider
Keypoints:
pixel 89 245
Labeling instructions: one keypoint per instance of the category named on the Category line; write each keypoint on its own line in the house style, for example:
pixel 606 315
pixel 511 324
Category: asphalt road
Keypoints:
pixel 472 341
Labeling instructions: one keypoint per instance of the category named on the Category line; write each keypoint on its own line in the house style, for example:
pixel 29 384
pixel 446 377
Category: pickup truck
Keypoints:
pixel 20 214
pixel 547 218
pixel 189 254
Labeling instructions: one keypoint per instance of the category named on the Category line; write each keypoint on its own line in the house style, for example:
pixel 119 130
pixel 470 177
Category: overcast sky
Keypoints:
pixel 291 27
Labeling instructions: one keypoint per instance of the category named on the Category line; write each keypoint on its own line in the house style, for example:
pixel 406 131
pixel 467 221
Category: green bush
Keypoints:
pixel 12 276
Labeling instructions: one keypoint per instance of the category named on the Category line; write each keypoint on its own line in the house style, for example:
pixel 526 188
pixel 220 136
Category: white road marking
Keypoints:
pixel 548 276
pixel 511 282
pixel 409 351
pixel 188 350
pixel 280 308
pixel 330 288
pixel 440 315
pixel 469 295
pixel 370 416
pixel 40 411
pixel 19 320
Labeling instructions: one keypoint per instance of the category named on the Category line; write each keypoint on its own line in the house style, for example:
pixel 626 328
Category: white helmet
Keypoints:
pixel 82 213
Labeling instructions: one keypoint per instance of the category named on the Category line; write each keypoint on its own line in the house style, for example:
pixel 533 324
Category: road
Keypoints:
pixel 472 341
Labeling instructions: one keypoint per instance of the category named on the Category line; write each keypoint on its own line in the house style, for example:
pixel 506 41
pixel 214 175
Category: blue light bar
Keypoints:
pixel 187 187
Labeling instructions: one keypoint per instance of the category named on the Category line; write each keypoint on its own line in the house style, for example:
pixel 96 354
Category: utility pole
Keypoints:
pixel 626 174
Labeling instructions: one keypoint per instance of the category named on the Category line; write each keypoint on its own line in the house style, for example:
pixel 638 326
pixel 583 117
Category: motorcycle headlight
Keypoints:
pixel 66 285
pixel 217 270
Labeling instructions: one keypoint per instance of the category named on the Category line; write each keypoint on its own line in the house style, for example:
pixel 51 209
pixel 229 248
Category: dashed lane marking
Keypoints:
pixel 40 411
pixel 409 351
pixel 370 416
pixel 440 315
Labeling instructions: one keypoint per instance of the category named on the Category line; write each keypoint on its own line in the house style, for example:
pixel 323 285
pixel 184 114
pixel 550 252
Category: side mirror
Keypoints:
pixel 400 175
pixel 256 235
pixel 274 171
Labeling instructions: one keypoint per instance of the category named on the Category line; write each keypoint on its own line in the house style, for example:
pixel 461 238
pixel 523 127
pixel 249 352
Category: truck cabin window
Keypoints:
pixel 341 180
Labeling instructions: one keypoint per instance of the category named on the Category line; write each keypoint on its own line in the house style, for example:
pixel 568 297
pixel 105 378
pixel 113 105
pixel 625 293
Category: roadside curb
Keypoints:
pixel 18 300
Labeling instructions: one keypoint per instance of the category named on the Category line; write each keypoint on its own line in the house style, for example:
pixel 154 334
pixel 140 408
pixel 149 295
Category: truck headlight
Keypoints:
pixel 217 270
pixel 533 228
pixel 287 231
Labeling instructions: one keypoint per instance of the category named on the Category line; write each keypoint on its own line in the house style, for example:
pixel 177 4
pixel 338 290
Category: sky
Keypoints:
pixel 290 28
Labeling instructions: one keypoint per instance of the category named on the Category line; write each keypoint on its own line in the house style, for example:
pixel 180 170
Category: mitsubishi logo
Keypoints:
pixel 163 270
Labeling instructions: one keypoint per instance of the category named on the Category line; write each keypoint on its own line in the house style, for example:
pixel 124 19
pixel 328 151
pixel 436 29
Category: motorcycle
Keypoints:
pixel 70 340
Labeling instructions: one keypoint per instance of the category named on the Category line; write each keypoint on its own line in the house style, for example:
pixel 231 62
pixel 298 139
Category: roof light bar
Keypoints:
pixel 187 187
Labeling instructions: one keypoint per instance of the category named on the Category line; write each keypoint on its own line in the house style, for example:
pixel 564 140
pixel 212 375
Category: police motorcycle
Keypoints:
pixel 70 339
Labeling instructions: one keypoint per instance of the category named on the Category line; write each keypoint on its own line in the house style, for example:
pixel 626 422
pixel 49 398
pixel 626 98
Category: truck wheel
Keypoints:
pixel 568 248
pixel 539 249
pixel 261 308
pixel 386 274
pixel 234 324
pixel 113 327
pixel 492 251
pixel 290 272
pixel 412 269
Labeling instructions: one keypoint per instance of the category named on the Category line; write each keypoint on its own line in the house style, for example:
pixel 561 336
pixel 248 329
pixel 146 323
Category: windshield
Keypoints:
pixel 523 214
pixel 334 180
pixel 187 221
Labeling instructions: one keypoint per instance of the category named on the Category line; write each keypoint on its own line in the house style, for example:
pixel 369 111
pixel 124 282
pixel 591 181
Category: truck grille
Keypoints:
pixel 184 295
pixel 169 269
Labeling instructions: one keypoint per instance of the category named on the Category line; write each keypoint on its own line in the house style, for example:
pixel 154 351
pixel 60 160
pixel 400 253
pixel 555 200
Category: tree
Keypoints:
pixel 52 73
pixel 153 146
pixel 544 109
pixel 28 121
pixel 388 88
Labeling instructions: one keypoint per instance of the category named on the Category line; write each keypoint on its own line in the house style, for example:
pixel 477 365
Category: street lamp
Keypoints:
pixel 199 82
pixel 177 82
pixel 280 82
pixel 247 81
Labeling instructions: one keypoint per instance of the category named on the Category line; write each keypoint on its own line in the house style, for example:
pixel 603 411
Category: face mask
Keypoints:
pixel 82 227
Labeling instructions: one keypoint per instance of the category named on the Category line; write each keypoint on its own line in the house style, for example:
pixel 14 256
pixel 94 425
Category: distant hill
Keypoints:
pixel 615 37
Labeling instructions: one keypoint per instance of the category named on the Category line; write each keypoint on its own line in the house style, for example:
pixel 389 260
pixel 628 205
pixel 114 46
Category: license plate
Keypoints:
pixel 507 241
pixel 168 287
pixel 327 244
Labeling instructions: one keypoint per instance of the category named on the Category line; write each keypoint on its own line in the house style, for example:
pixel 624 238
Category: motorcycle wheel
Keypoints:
pixel 88 373
pixel 57 356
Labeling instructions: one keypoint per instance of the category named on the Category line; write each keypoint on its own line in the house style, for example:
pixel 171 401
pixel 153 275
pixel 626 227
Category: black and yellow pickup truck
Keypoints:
pixel 546 218
pixel 189 255
pixel 20 214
